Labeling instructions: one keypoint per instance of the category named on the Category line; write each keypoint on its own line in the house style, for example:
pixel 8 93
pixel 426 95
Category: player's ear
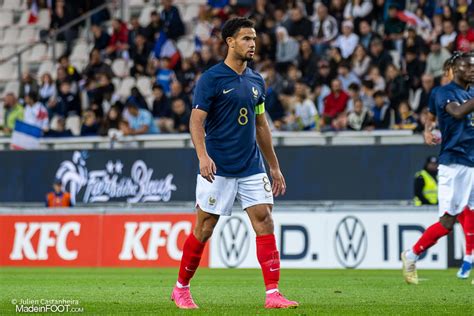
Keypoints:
pixel 230 41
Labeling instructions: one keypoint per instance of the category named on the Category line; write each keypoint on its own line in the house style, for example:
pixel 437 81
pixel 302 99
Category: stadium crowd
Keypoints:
pixel 328 66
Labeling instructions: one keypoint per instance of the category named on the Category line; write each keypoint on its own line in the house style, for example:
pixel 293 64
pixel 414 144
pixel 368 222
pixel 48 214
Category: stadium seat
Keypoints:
pixel 137 3
pixel 60 49
pixel 38 53
pixel 125 86
pixel 144 18
pixel 11 86
pixel 44 19
pixel 11 35
pixel 395 58
pixel 186 47
pixel 7 51
pixel 80 52
pixel 47 66
pixel 25 15
pixel 116 82
pixel 13 4
pixel 121 68
pixel 74 124
pixel 27 35
pixel 144 85
pixel 190 13
pixel 8 71
pixel 6 18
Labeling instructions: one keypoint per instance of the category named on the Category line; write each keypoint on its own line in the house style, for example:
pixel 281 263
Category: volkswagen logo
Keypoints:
pixel 350 242
pixel 234 242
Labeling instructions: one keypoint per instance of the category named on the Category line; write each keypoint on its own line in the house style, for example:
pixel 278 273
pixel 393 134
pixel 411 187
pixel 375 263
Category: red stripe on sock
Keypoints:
pixel 192 252
pixel 269 259
pixel 430 237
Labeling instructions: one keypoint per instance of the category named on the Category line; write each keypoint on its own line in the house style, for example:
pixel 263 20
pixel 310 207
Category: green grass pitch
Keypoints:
pixel 235 292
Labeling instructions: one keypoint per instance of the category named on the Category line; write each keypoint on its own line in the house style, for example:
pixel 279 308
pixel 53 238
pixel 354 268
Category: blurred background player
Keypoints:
pixel 58 197
pixel 227 122
pixel 433 138
pixel 426 183
pixel 454 105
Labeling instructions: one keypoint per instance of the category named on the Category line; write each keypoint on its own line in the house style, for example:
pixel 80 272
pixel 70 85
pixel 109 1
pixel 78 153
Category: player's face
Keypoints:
pixel 466 69
pixel 244 43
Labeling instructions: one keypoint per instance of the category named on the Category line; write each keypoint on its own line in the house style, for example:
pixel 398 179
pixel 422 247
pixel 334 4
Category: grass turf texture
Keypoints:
pixel 236 292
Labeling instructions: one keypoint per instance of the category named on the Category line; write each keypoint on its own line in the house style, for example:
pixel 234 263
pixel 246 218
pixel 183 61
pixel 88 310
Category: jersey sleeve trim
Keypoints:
pixel 260 108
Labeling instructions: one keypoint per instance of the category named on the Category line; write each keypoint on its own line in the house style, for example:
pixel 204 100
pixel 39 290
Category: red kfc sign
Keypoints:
pixel 95 240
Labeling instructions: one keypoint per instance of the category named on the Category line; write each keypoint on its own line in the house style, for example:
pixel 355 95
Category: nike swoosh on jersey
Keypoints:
pixel 227 91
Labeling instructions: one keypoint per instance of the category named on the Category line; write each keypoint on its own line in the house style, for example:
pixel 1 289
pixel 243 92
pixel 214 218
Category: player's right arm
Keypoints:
pixel 202 103
pixel 207 167
pixel 430 138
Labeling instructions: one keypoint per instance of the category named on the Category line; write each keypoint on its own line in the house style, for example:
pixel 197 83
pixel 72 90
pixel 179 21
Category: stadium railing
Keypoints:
pixel 386 137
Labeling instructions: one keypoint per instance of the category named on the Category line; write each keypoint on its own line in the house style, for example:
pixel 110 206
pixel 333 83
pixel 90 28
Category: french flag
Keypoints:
pixel 34 12
pixel 164 47
pixel 25 136
pixel 410 18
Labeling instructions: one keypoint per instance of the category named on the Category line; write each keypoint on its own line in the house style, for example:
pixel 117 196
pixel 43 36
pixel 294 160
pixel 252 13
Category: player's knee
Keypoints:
pixel 265 225
pixel 447 221
pixel 204 232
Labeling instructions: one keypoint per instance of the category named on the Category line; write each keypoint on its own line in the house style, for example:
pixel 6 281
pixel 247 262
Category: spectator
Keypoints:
pixel 360 61
pixel 382 111
pixel 73 74
pixel 118 43
pixel 135 30
pixel 47 89
pixel 176 91
pixel 424 28
pixel 90 126
pixel 414 68
pixel 68 103
pixel 422 95
pixel 13 111
pixel 112 123
pixel 426 183
pixel 346 76
pixel 335 59
pixel 347 41
pixel 207 59
pixel 334 103
pixel 58 197
pixel 394 29
pixel 307 61
pixel 61 16
pixel 380 57
pixel 162 110
pixel 137 98
pixel 367 93
pixel 413 42
pixel 358 11
pixel 140 121
pixel 287 49
pixel 154 28
pixel 35 113
pixel 448 38
pixel 164 75
pixel 377 79
pixel 360 118
pixel 172 23
pixel 397 86
pixel 60 129
pixel 436 58
pixel 298 25
pixel 96 66
pixel 139 54
pixel 101 38
pixel 305 111
pixel 366 34
pixel 325 29
pixel 407 120
pixel 101 92
pixel 465 37
pixel 181 115
pixel 186 75
pixel 27 84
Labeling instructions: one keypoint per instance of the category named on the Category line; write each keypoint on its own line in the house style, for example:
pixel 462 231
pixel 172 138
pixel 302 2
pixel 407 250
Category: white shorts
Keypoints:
pixel 218 197
pixel 455 188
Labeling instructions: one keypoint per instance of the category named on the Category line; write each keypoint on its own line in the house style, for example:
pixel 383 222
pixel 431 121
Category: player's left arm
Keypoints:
pixel 264 141
pixel 459 111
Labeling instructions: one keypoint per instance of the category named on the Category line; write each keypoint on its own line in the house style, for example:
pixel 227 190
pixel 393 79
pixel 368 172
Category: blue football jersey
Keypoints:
pixel 232 102
pixel 457 146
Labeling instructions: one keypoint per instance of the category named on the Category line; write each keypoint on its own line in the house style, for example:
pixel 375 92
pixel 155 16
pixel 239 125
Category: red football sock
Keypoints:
pixel 192 253
pixel 269 259
pixel 430 237
pixel 468 227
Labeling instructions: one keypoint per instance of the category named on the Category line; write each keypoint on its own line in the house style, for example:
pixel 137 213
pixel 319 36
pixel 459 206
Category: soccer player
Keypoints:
pixel 454 106
pixel 466 218
pixel 229 129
